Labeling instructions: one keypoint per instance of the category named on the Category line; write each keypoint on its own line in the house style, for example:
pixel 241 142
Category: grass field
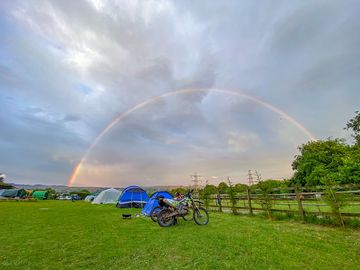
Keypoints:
pixel 66 235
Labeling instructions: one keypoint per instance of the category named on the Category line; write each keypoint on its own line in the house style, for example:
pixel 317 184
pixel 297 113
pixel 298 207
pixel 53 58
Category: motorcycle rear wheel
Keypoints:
pixel 154 213
pixel 163 218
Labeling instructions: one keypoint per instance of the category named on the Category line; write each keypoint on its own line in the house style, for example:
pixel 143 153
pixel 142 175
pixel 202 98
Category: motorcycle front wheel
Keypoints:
pixel 201 216
pixel 163 218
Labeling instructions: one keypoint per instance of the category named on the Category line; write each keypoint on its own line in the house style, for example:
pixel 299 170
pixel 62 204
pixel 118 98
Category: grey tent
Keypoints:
pixel 13 193
pixel 108 196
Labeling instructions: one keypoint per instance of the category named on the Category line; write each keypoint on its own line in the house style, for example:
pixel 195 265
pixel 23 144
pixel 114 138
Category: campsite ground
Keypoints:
pixel 66 235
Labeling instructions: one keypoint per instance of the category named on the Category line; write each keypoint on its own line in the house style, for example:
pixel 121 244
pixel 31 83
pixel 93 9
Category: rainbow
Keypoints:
pixel 153 100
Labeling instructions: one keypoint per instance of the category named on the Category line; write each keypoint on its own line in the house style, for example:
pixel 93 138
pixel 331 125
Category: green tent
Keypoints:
pixel 40 195
pixel 13 193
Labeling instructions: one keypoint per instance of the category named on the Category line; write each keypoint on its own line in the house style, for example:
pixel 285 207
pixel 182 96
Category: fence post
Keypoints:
pixel 249 201
pixel 298 198
pixel 218 199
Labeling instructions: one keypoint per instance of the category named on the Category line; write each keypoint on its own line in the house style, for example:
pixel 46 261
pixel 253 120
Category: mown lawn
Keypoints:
pixel 66 235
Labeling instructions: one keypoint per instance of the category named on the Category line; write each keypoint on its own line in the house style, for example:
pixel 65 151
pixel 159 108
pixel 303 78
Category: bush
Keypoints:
pixel 265 198
pixel 232 197
pixel 335 201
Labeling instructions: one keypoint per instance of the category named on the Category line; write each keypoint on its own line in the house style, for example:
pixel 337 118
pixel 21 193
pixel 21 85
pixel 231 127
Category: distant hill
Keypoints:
pixel 57 188
pixel 62 188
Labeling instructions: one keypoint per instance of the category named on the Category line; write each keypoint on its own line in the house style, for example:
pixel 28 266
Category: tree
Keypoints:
pixel 210 189
pixel 82 193
pixel 180 190
pixel 271 184
pixel 51 193
pixel 240 187
pixel 319 161
pixel 5 186
pixel 350 171
pixel 206 193
pixel 354 125
pixel 222 187
pixel 2 177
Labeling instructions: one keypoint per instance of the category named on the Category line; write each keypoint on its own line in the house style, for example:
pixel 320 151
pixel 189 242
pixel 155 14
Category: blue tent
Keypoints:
pixel 132 196
pixel 153 202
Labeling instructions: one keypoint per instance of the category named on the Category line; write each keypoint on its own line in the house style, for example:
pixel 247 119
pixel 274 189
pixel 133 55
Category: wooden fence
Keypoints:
pixel 295 202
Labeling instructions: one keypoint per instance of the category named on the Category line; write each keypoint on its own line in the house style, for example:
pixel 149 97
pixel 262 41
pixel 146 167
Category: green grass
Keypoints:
pixel 79 235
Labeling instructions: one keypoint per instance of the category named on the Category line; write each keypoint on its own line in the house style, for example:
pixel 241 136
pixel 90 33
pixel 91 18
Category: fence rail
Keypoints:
pixel 298 202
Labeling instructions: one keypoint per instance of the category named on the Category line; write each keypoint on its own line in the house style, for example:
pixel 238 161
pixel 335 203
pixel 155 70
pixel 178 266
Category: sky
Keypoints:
pixel 70 68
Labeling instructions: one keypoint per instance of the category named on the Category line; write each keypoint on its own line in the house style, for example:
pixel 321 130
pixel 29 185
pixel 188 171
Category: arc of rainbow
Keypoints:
pixel 152 100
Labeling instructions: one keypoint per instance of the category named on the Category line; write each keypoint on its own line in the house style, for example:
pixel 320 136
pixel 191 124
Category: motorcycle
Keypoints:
pixel 155 211
pixel 168 216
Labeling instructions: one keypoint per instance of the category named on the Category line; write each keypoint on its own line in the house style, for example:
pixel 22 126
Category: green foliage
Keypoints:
pixel 51 193
pixel 271 184
pixel 206 194
pixel 330 160
pixel 354 125
pixel 232 197
pixel 5 186
pixel 264 197
pixel 180 190
pixel 335 201
pixel 211 189
pixel 222 187
pixel 82 193
pixel 240 188
pixel 350 169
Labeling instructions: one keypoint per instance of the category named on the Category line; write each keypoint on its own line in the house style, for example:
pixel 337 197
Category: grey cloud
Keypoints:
pixel 300 56
pixel 71 118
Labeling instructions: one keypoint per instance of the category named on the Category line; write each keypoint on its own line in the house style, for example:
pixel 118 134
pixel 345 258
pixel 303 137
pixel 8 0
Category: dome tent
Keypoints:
pixel 93 195
pixel 13 193
pixel 107 196
pixel 40 194
pixel 89 198
pixel 132 196
pixel 153 202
